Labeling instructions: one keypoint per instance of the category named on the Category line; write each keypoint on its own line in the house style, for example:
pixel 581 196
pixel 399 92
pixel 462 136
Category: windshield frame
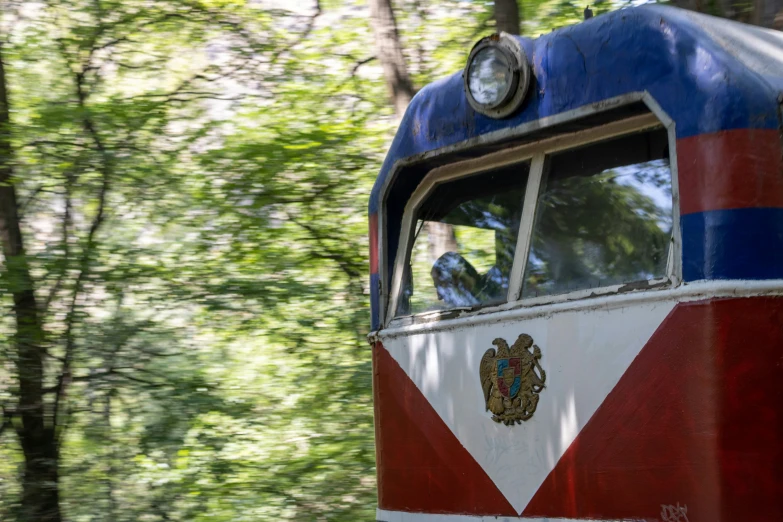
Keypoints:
pixel 535 153
pixel 438 177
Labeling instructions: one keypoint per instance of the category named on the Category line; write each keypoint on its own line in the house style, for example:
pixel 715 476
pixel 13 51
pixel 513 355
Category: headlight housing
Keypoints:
pixel 497 76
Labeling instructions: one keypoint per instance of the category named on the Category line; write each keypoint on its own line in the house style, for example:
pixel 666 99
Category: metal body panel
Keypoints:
pixel 702 86
pixel 649 403
pixel 585 352
pixel 687 64
pixel 401 516
pixel 535 153
pixel 661 403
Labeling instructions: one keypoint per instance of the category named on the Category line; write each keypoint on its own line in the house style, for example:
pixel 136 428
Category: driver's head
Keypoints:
pixel 455 280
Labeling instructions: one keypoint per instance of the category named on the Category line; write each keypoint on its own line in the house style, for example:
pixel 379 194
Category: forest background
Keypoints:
pixel 183 279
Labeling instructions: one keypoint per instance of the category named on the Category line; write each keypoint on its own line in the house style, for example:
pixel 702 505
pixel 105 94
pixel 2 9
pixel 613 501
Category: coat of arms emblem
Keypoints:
pixel 511 379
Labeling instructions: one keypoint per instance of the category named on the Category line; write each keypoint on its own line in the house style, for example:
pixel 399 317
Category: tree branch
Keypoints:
pixel 360 63
pixel 138 380
pixel 7 419
pixel 352 272
pixel 29 335
pixel 105 169
pixel 69 179
pixel 23 205
pixel 35 143
pixel 303 36
pixel 113 371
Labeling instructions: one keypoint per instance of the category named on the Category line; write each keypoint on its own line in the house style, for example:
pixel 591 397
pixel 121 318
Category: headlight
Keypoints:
pixel 497 76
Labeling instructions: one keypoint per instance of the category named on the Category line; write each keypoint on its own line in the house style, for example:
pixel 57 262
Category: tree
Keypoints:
pixel 506 16
pixel 389 52
pixel 87 148
pixel 35 426
pixel 182 223
pixel 766 13
pixel 183 218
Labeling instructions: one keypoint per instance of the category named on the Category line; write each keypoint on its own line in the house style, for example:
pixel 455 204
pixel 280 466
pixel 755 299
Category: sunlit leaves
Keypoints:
pixel 222 371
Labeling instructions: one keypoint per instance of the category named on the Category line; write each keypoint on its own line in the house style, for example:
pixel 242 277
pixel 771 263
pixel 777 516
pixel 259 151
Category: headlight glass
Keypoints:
pixel 497 76
pixel 489 76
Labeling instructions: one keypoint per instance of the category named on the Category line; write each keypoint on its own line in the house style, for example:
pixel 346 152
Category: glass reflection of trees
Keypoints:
pixel 604 216
pixel 450 242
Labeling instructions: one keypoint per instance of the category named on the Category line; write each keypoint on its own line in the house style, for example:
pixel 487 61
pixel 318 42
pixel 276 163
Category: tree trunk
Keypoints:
pixel 40 499
pixel 442 239
pixel 766 13
pixel 389 52
pixel 690 5
pixel 507 17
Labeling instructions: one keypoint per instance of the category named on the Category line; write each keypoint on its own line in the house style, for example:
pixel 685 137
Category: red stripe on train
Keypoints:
pixel 696 422
pixel 422 467
pixel 373 243
pixel 739 168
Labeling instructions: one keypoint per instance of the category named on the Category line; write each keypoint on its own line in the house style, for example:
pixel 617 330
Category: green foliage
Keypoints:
pixel 219 305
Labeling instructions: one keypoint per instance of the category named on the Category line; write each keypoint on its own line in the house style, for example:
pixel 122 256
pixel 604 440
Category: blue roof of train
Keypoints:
pixel 707 73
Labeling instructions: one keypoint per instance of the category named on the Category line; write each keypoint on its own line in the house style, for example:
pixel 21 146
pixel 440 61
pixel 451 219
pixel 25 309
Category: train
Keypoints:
pixel 576 279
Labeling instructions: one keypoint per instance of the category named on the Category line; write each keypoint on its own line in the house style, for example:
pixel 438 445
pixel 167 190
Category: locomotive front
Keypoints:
pixel 577 279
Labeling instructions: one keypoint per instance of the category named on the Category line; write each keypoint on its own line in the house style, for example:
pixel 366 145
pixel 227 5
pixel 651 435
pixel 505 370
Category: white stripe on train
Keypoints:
pixel 401 516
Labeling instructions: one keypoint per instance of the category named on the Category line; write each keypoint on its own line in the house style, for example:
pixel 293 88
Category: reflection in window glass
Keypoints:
pixel 604 216
pixel 465 237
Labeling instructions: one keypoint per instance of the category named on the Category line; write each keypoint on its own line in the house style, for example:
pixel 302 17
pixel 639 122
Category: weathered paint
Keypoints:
pixel 733 244
pixel 421 465
pixel 655 401
pixel 374 244
pixel 384 515
pixel 692 66
pixel 697 82
pixel 740 168
pixel 697 420
pixel 375 279
pixel 630 419
pixel 584 354
pixel 731 205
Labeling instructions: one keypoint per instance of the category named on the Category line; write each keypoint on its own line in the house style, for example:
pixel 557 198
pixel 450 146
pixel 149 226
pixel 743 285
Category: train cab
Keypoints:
pixel 576 251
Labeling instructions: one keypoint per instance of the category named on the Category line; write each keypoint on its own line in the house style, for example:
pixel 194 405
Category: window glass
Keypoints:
pixel 604 216
pixel 464 242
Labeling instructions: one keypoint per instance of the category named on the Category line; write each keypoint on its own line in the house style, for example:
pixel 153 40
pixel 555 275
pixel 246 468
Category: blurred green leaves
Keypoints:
pixel 220 369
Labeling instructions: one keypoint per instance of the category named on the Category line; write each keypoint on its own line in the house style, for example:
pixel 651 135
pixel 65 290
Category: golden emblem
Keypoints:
pixel 509 379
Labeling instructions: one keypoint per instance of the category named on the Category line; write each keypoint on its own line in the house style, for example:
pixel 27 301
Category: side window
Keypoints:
pixel 604 216
pixel 464 241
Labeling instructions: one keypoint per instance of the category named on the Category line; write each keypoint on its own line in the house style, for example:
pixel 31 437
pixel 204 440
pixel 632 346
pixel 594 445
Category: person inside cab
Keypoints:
pixel 458 283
